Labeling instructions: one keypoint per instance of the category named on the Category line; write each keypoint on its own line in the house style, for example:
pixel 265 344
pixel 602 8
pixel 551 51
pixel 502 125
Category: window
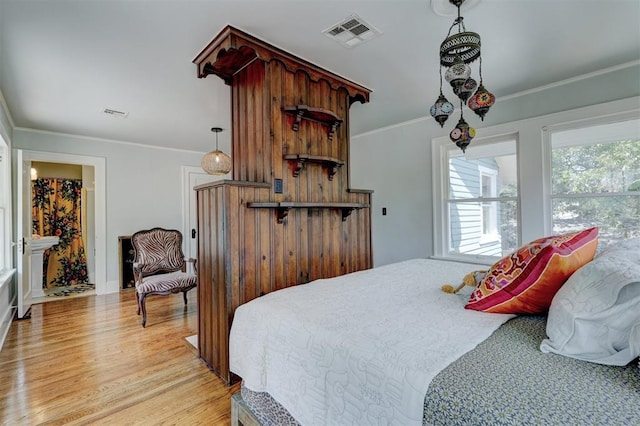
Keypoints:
pixel 480 211
pixel 537 177
pixel 489 210
pixel 5 200
pixel 595 179
pixel 3 239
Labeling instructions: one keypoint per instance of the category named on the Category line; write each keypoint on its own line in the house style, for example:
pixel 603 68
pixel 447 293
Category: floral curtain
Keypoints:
pixel 57 212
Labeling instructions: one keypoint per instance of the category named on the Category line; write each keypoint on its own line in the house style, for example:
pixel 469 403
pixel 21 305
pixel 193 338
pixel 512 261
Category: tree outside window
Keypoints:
pixel 595 179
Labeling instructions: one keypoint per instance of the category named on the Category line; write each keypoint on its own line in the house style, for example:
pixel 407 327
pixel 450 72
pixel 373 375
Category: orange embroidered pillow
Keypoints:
pixel 526 281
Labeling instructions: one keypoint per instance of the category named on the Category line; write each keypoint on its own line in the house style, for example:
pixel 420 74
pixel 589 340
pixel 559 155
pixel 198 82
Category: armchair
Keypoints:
pixel 159 266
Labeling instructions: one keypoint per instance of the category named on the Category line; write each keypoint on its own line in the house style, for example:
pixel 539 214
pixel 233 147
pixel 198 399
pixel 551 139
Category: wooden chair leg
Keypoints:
pixel 138 299
pixel 143 296
pixel 184 295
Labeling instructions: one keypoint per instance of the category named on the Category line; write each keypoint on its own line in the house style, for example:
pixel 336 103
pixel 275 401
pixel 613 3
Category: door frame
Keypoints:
pixel 100 208
pixel 23 256
pixel 188 207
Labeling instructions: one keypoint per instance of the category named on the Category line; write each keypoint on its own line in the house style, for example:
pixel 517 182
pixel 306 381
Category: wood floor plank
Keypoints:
pixel 87 360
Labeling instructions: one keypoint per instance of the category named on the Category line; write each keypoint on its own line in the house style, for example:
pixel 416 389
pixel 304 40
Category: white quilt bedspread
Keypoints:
pixel 360 349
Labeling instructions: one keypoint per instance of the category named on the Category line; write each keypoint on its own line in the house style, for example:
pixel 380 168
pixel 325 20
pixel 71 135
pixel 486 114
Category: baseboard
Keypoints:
pixel 112 287
pixel 7 311
pixel 6 324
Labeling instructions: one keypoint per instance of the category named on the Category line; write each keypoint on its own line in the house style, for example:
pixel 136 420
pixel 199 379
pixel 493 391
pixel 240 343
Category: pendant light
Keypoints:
pixel 457 51
pixel 216 162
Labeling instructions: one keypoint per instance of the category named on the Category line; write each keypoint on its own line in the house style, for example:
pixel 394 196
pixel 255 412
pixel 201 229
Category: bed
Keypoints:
pixel 387 346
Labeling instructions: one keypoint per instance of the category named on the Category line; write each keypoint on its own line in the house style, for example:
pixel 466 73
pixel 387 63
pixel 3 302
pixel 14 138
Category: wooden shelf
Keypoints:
pixel 298 161
pixel 282 208
pixel 318 115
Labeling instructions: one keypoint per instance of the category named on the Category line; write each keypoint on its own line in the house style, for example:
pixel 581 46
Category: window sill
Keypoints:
pixel 489 239
pixel 5 276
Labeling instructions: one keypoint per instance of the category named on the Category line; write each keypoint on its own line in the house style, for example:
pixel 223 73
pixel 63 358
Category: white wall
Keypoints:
pixel 396 161
pixel 143 184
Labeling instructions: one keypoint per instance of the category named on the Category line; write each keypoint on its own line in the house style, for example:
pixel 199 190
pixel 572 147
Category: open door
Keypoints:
pixel 193 176
pixel 23 200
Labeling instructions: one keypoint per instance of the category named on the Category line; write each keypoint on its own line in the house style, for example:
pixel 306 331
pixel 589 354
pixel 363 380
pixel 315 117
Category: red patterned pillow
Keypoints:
pixel 526 281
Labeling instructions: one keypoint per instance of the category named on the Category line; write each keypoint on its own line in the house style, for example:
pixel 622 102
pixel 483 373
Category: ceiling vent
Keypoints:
pixel 115 113
pixel 352 31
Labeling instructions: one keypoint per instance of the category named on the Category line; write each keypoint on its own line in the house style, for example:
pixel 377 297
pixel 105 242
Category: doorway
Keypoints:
pixel 97 245
pixel 63 206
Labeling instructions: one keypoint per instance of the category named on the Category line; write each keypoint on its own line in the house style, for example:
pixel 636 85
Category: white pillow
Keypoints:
pixel 595 316
pixel 631 247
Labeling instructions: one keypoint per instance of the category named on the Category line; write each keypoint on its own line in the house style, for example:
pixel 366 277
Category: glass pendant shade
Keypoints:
pixel 466 89
pixel 481 101
pixel 216 162
pixel 441 110
pixel 462 134
pixel 457 75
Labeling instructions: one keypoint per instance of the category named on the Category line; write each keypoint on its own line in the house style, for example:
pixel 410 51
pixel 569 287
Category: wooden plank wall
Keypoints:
pixel 263 132
pixel 244 252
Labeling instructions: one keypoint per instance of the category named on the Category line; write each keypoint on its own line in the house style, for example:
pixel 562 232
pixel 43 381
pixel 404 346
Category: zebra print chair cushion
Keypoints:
pixel 159 266
pixel 172 282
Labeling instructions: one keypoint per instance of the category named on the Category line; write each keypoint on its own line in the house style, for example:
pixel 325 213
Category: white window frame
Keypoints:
pixel 534 167
pixel 6 266
pixel 492 235
pixel 4 239
pixel 440 152
pixel 5 191
pixel 547 148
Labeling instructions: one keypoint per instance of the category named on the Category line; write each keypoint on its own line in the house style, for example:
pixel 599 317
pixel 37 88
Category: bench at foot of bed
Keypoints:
pixel 241 414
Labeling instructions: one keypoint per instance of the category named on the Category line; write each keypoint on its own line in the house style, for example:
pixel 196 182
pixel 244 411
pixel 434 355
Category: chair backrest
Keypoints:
pixel 158 250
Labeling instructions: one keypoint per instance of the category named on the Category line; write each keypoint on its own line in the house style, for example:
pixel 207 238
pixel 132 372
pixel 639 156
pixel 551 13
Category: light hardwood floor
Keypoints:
pixel 87 360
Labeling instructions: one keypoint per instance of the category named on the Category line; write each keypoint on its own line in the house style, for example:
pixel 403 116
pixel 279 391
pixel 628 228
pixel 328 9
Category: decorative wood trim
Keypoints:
pixel 298 160
pixel 232 50
pixel 282 208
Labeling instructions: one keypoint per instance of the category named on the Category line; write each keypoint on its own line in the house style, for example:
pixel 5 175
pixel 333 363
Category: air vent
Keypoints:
pixel 115 113
pixel 352 31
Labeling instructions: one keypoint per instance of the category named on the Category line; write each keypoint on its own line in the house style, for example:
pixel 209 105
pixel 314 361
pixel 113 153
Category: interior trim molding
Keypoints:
pixel 96 139
pixel 513 95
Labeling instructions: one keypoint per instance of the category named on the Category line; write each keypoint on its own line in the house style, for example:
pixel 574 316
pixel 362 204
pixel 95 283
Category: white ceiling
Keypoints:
pixel 63 61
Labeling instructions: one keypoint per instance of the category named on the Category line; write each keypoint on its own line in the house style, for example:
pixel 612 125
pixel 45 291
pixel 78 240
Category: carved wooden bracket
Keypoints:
pixel 282 208
pixel 318 115
pixel 298 160
pixel 346 211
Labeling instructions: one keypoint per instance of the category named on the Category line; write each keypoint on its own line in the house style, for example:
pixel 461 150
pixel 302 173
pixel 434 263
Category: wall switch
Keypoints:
pixel 277 186
pixel 384 211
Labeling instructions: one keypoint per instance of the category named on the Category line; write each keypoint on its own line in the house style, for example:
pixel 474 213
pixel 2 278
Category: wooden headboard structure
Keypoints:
pixel 288 216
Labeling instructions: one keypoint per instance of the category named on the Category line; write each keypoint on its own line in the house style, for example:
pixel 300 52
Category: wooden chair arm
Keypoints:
pixel 137 271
